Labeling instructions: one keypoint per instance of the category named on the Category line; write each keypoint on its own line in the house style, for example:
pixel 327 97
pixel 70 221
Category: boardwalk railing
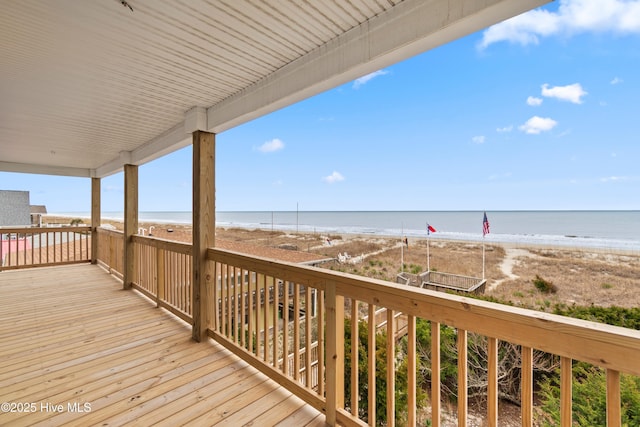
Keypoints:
pixel 267 312
pixel 27 247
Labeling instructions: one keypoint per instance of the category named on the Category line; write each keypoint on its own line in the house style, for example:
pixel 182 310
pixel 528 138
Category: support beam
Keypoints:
pixel 130 221
pixel 95 218
pixel 204 223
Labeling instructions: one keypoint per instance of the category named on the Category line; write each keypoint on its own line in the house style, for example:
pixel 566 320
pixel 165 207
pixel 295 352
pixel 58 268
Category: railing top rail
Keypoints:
pixel 109 231
pixel 170 245
pixel 460 276
pixel 35 230
pixel 604 345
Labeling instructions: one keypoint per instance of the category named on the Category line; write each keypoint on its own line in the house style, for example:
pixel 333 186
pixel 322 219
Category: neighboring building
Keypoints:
pixel 36 214
pixel 14 208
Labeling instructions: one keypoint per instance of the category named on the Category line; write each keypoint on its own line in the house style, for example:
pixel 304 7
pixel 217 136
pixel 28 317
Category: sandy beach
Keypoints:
pixel 581 276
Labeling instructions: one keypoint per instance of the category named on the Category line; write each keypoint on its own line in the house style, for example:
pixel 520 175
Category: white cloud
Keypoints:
pixel 271 146
pixel 479 139
pixel 614 178
pixel 533 101
pixel 572 17
pixel 365 79
pixel 333 178
pixel 505 129
pixel 572 93
pixel 536 125
pixel 616 81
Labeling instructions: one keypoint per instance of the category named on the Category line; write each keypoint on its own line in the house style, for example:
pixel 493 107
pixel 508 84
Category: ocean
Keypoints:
pixel 608 230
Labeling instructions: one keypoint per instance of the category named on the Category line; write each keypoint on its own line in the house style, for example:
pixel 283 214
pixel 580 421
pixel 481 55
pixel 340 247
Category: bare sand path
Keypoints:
pixel 509 261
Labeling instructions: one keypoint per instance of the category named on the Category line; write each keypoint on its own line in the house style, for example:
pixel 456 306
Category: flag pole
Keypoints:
pixel 485 231
pixel 482 256
pixel 428 256
pixel 401 248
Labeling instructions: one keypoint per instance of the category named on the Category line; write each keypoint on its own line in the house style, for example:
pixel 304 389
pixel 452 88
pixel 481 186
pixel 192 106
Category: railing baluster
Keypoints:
pixel 435 374
pixel 296 331
pixel 321 343
pixel 160 277
pixel 613 398
pixel 411 370
pixel 566 385
pixel 243 302
pixel 391 389
pixel 492 382
pixel 308 315
pixel 462 377
pixel 276 304
pixel 335 352
pixel 285 328
pixel 237 300
pixel 527 386
pixel 371 365
pixel 265 320
pixel 355 398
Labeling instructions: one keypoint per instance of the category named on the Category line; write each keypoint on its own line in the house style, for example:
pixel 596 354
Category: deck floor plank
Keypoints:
pixel 70 335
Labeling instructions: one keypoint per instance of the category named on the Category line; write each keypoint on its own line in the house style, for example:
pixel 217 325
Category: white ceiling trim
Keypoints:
pixel 46 170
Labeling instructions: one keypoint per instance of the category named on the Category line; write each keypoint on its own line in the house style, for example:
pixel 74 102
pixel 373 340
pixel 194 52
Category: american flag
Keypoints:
pixel 485 225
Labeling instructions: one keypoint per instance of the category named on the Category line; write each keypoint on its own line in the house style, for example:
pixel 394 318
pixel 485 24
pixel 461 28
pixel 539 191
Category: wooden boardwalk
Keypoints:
pixel 75 349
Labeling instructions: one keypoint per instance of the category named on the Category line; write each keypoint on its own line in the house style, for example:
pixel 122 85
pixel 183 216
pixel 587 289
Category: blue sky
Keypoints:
pixel 539 112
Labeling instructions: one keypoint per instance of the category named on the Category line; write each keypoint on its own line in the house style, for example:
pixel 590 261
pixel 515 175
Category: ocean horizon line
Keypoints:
pixel 614 229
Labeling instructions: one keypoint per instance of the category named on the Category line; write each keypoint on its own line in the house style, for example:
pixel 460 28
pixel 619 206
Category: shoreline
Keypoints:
pixel 434 239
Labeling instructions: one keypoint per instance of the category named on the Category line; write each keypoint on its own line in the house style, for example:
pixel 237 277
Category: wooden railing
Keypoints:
pixel 111 251
pixel 163 273
pixel 43 246
pixel 252 328
pixel 445 281
pixel 267 312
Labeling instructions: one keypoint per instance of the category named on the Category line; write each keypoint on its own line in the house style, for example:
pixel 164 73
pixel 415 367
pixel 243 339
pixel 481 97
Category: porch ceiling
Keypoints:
pixel 88 86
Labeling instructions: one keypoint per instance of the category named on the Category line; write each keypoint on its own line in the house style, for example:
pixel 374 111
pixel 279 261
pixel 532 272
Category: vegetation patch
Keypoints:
pixel 544 286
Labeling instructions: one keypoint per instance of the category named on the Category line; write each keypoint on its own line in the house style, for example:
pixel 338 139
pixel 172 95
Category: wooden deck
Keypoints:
pixel 75 349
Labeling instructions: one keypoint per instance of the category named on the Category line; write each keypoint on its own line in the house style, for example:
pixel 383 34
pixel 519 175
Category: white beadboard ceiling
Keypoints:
pixel 87 86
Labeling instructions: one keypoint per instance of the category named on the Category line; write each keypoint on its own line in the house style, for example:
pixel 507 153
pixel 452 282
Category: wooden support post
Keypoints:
pixel 130 222
pixel 95 218
pixel 335 353
pixel 204 223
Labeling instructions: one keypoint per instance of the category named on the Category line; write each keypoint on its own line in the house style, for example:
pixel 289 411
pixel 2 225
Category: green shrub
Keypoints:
pixel 544 286
pixel 589 397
